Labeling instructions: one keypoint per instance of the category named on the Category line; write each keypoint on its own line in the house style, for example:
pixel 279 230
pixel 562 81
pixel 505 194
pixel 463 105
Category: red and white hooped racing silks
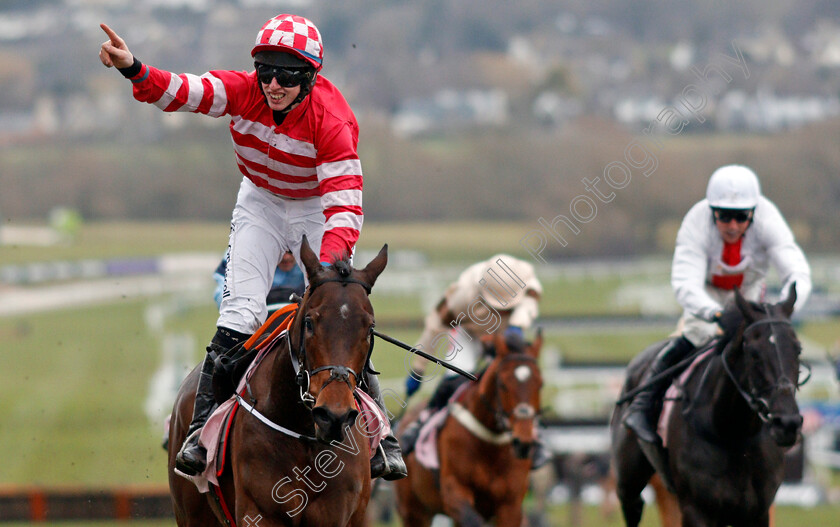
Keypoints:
pixel 311 154
pixel 291 33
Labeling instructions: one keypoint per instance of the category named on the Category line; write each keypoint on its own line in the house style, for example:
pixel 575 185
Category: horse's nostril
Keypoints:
pixel 350 418
pixel 330 424
pixel 321 416
pixel 787 422
pixel 522 449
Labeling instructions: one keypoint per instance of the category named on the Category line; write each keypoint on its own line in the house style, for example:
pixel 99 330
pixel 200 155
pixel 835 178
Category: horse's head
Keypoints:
pixel 331 339
pixel 516 400
pixel 769 359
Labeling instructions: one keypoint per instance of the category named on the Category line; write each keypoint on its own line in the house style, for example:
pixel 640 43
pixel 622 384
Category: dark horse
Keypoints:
pixel 729 430
pixel 484 447
pixel 273 478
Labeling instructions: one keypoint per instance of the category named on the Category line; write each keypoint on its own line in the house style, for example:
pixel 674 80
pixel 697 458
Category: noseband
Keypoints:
pixel 299 357
pixel 761 405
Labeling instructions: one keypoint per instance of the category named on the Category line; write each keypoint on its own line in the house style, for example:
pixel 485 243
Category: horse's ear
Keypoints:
pixel 787 305
pixel 535 347
pixel 309 259
pixel 744 306
pixel 376 266
pixel 500 344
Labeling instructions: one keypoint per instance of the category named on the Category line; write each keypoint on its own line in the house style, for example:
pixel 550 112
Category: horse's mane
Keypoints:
pixel 732 323
pixel 515 342
pixel 343 267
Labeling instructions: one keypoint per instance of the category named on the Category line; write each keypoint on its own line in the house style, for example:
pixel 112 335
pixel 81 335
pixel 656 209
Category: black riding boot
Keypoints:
pixel 640 415
pixel 192 458
pixel 387 463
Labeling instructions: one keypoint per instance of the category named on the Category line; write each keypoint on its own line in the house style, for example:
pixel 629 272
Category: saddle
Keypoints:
pixel 676 392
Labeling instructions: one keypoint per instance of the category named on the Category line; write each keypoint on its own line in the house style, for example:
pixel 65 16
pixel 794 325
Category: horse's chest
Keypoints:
pixel 497 482
pixel 733 481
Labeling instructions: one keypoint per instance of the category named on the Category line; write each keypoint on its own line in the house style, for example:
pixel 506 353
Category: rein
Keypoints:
pixel 299 357
pixel 501 418
pixel 302 374
pixel 760 405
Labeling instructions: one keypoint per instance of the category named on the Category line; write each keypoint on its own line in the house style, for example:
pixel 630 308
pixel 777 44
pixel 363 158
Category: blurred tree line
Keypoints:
pixel 501 175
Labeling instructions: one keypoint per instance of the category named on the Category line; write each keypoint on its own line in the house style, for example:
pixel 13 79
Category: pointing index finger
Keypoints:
pixel 115 39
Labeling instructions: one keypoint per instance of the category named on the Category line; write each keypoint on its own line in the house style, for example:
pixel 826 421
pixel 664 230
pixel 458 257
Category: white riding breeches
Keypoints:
pixel 263 227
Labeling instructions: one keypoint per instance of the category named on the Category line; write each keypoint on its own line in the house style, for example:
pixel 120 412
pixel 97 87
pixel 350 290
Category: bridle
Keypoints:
pixel 299 356
pixel 761 405
pixel 522 410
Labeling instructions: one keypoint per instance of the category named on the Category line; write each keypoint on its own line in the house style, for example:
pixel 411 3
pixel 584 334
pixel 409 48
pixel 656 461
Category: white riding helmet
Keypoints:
pixel 733 187
pixel 523 273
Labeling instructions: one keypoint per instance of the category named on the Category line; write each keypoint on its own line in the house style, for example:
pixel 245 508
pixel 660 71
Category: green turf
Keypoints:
pixel 71 405
pixel 74 381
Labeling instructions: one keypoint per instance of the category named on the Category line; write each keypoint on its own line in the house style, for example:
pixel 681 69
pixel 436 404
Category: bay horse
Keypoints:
pixel 729 429
pixel 274 478
pixel 485 463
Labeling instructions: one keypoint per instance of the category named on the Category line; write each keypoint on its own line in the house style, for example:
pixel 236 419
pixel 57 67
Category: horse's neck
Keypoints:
pixel 277 392
pixel 728 415
pixel 480 399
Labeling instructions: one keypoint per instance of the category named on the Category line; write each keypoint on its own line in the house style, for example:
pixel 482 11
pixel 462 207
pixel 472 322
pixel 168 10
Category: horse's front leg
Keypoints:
pixel 760 520
pixel 509 513
pixel 459 504
pixel 694 517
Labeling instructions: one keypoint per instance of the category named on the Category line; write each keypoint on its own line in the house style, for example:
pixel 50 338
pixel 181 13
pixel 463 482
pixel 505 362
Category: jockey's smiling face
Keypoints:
pixel 283 76
pixel 279 97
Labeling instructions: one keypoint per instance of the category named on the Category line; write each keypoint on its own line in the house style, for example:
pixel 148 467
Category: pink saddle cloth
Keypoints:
pixel 426 448
pixel 674 392
pixel 214 433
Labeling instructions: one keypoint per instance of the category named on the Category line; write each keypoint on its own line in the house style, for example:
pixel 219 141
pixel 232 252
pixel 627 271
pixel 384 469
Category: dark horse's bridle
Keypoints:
pixel 299 357
pixel 761 405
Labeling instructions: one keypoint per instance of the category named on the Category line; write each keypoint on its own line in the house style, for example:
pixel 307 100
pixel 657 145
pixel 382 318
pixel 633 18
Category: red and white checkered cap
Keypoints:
pixel 291 34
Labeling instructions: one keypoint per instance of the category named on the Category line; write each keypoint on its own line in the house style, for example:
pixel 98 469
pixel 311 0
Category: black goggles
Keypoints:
pixel 285 77
pixel 727 215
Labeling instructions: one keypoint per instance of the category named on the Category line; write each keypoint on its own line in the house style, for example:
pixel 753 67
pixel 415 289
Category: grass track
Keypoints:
pixel 73 382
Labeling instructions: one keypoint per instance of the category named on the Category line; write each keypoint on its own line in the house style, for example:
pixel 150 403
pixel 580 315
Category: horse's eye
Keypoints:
pixel 307 324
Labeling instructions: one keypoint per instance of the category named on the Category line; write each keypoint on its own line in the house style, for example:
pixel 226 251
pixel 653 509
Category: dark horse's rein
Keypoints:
pixel 656 378
pixel 751 400
pixel 760 405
